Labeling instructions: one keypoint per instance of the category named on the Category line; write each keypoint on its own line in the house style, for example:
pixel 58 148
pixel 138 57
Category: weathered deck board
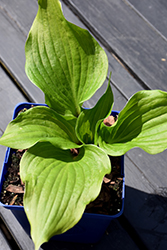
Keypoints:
pixel 15 10
pixel 129 36
pixel 145 208
pixel 155 12
pixel 12 42
pixel 21 238
pixel 146 189
pixel 9 97
pixel 3 243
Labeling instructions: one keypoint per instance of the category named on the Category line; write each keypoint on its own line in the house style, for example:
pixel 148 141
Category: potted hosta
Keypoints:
pixel 99 212
pixel 68 147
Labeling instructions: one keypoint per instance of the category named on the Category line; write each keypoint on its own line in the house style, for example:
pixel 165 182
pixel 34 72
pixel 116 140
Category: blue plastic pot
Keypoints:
pixel 91 226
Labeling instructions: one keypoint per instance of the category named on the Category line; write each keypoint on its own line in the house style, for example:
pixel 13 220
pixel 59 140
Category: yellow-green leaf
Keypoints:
pixel 142 123
pixel 63 60
pixel 59 185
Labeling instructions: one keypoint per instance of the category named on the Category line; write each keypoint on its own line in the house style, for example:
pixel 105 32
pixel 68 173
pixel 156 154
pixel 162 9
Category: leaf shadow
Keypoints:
pixel 142 226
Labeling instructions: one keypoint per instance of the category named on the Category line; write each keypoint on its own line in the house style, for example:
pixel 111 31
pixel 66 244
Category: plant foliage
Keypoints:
pixel 68 65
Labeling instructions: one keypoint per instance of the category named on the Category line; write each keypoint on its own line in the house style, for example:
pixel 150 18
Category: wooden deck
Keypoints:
pixel 134 36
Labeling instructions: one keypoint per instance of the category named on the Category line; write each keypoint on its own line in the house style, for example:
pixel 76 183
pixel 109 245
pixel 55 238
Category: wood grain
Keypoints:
pixel 3 243
pixel 145 209
pixel 155 12
pixel 133 35
pixel 139 47
pixel 12 55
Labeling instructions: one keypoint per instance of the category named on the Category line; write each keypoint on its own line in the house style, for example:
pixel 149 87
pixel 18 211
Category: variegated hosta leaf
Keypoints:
pixel 63 60
pixel 142 123
pixel 40 124
pixel 89 119
pixel 59 185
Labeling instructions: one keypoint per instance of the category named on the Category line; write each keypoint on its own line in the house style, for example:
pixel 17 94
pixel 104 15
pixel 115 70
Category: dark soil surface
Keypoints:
pixel 108 202
pixel 13 188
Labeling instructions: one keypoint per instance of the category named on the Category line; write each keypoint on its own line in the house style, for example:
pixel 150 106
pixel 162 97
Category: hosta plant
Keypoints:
pixel 68 65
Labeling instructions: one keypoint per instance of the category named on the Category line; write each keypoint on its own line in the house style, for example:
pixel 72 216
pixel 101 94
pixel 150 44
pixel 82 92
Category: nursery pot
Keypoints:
pixel 91 226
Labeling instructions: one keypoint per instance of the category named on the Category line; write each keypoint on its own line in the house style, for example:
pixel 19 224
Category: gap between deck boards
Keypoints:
pixel 8 236
pixel 15 81
pixel 99 37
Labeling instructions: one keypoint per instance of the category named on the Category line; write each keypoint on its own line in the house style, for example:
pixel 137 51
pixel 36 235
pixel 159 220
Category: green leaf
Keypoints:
pixel 142 123
pixel 89 119
pixel 59 186
pixel 40 124
pixel 63 60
